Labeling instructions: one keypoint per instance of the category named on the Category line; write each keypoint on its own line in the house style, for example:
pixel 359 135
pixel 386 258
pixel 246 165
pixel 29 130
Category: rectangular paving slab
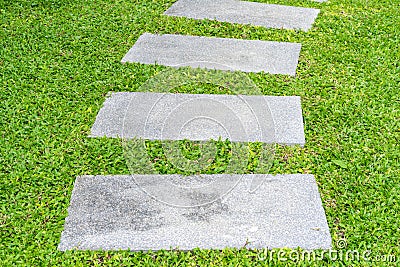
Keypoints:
pixel 113 212
pixel 244 12
pixel 215 53
pixel 201 117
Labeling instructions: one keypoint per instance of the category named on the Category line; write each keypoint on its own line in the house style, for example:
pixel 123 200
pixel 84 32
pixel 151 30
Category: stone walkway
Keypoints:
pixel 143 212
pixel 215 53
pixel 112 212
pixel 244 12
pixel 243 117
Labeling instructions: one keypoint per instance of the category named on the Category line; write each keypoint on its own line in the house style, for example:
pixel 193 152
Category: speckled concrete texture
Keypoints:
pixel 245 12
pixel 112 212
pixel 163 116
pixel 215 53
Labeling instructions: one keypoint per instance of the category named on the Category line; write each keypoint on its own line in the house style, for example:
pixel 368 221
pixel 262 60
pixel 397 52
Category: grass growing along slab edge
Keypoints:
pixel 59 59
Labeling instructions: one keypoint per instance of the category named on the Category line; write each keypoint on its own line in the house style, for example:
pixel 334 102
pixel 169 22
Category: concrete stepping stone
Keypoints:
pixel 112 212
pixel 244 12
pixel 215 53
pixel 201 117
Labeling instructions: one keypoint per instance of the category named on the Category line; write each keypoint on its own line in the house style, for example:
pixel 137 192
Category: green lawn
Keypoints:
pixel 59 59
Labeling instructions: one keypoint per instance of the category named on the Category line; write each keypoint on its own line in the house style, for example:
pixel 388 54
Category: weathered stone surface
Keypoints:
pixel 215 53
pixel 163 116
pixel 244 12
pixel 112 212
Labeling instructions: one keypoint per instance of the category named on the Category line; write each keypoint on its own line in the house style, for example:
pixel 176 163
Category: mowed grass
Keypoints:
pixel 59 59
